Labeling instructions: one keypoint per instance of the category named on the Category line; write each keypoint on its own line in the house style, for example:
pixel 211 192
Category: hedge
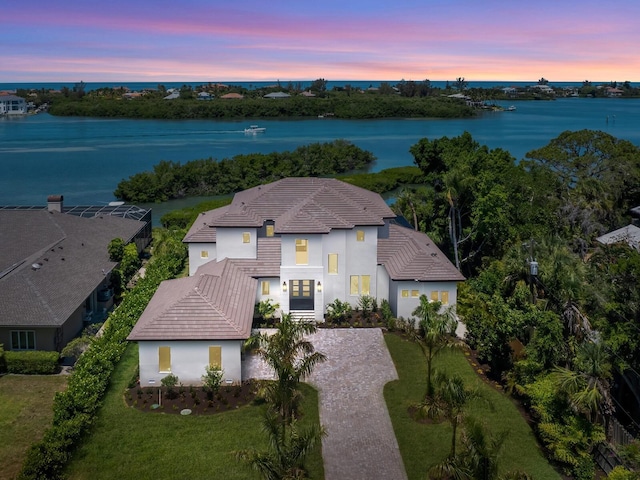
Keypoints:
pixel 3 363
pixel 74 410
pixel 31 362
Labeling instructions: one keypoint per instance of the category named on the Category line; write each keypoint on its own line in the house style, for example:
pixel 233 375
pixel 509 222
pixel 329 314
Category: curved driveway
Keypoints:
pixel 360 443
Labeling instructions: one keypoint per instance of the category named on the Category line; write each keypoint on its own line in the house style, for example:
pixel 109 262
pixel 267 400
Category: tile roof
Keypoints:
pixel 51 262
pixel 411 255
pixel 296 205
pixel 215 304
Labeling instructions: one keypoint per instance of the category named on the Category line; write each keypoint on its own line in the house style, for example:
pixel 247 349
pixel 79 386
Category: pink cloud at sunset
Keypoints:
pixel 195 40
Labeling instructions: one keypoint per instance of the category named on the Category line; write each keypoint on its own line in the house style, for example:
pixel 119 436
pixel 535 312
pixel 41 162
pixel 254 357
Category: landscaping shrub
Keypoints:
pixel 32 362
pixel 3 362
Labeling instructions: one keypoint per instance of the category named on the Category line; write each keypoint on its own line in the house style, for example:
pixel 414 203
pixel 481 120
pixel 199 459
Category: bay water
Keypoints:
pixel 85 158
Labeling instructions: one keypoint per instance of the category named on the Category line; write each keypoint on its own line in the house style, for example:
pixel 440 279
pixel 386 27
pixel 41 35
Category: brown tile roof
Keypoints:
pixel 202 230
pixel 411 255
pixel 71 257
pixel 215 304
pixel 297 205
pixel 267 263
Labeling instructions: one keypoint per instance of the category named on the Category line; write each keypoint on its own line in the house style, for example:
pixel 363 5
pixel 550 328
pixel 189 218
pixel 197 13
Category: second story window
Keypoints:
pixel 246 237
pixel 302 252
pixel 332 266
pixel 270 230
pixel 360 235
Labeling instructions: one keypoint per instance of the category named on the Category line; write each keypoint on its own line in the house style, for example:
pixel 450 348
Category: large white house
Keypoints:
pixel 301 242
pixel 12 105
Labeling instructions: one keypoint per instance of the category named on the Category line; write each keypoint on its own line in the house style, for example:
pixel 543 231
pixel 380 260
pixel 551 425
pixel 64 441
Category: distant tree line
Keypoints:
pixel 170 179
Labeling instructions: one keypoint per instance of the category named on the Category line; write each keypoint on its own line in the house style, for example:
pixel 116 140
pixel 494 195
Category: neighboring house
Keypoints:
pixel 173 95
pixel 55 269
pixel 300 242
pixel 235 96
pixel 204 96
pixel 629 235
pixel 12 105
pixel 277 95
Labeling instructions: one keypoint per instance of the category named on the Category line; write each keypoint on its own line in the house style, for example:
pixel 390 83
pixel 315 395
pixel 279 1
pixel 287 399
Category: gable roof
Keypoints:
pixel 215 304
pixel 296 205
pixel 50 262
pixel 411 255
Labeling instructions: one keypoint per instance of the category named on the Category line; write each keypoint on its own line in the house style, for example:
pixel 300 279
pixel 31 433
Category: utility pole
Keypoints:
pixel 533 272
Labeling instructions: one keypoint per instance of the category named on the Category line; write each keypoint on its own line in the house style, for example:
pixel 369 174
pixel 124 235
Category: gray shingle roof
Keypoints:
pixel 51 262
pixel 411 255
pixel 215 304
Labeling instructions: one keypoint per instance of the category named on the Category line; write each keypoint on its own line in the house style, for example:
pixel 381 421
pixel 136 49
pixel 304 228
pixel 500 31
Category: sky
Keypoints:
pixel 250 40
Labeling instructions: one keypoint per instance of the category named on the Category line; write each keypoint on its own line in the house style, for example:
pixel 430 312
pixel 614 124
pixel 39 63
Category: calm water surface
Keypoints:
pixel 85 158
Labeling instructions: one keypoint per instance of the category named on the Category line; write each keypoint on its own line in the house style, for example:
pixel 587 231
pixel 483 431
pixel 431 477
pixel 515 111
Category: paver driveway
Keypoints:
pixel 360 443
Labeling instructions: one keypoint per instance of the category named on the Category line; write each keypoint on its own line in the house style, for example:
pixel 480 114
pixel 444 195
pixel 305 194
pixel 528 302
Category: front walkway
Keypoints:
pixel 360 443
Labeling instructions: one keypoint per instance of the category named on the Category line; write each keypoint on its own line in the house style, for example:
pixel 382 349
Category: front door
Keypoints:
pixel 301 295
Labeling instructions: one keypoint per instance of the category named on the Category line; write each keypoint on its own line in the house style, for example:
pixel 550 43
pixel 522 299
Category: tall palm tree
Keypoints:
pixel 292 358
pixel 436 333
pixel 284 459
pixel 450 400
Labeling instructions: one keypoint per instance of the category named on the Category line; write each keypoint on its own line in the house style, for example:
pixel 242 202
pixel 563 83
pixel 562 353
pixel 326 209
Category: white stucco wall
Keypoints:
pixel 404 306
pixel 195 255
pixel 231 245
pixel 188 360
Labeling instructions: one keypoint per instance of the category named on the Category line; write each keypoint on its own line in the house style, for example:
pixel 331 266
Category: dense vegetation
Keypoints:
pixel 563 336
pixel 211 177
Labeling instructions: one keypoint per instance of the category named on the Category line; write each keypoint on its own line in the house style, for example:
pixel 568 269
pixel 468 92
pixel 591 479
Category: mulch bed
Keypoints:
pixel 191 400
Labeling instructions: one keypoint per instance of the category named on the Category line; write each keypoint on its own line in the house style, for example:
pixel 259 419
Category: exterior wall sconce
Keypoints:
pixel 284 286
pixel 319 287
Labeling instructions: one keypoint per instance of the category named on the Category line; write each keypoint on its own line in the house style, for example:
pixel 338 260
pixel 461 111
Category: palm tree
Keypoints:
pixel 284 459
pixel 292 359
pixel 435 333
pixel 588 385
pixel 450 400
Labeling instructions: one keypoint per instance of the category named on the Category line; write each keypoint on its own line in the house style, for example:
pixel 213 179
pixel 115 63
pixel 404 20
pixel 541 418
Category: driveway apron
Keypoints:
pixel 360 443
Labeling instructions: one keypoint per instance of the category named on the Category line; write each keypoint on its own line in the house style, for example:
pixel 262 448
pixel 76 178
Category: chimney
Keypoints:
pixel 54 203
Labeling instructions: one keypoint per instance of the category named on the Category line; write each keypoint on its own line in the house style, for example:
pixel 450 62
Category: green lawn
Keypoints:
pixel 424 445
pixel 126 443
pixel 25 413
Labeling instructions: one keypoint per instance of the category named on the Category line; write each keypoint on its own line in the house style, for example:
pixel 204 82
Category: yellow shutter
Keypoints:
pixel 333 263
pixel 366 285
pixel 434 296
pixel 270 230
pixel 445 298
pixel 354 290
pixel 360 235
pixel 246 237
pixel 215 356
pixel 164 359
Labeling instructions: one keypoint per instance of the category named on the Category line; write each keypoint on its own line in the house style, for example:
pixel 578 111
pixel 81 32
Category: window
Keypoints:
pixel 366 282
pixel 215 356
pixel 415 293
pixel 355 285
pixel 333 263
pixel 23 340
pixel 405 293
pixel 360 285
pixel 434 296
pixel 270 230
pixel 444 298
pixel 164 359
pixel 246 237
pixel 302 254
pixel 360 235
pixel 204 254
pixel 265 287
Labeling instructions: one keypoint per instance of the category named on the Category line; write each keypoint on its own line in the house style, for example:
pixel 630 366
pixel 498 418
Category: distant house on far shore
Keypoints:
pixel 12 105
pixel 277 95
pixel 232 95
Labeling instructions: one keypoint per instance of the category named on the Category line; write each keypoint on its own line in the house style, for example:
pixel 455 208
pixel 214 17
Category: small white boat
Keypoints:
pixel 510 108
pixel 253 129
